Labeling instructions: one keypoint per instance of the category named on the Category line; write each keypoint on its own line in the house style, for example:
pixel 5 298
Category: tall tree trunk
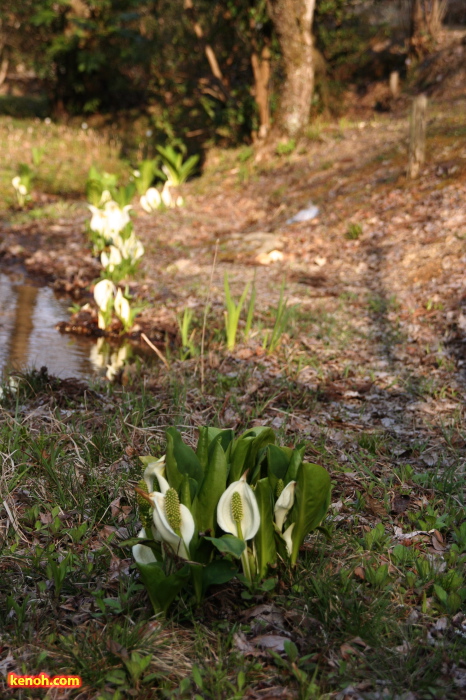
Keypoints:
pixel 292 21
pixel 260 62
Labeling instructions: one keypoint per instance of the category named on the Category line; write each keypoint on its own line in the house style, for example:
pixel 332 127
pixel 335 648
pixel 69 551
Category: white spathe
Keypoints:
pixel 180 545
pixel 141 553
pixel 19 186
pixel 122 307
pixel 104 291
pixel 117 218
pixel 112 259
pixel 250 521
pixel 288 540
pixel 151 200
pixel 284 504
pixel 156 469
pixel 166 194
pixel 131 248
pixel 98 220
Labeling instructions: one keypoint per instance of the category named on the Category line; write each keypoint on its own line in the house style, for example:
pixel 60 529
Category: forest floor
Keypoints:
pixel 369 371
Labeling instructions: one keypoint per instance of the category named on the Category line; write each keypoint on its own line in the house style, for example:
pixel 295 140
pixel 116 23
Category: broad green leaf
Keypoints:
pixel 208 437
pixel 181 460
pixel 162 589
pixel 94 191
pixel 265 437
pixel 185 493
pixel 295 462
pixel 228 544
pixel 204 508
pixel 278 460
pixel 224 437
pixel 239 452
pixel 202 449
pixel 218 572
pixel 265 538
pixel 312 499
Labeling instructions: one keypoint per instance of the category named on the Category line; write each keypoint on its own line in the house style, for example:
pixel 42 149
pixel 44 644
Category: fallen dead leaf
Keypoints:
pixel 275 642
pixel 359 573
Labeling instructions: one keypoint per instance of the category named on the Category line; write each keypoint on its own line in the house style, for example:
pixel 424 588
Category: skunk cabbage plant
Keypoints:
pixel 231 507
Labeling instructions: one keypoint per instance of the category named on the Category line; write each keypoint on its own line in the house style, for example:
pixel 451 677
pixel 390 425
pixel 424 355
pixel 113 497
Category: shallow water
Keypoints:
pixel 28 338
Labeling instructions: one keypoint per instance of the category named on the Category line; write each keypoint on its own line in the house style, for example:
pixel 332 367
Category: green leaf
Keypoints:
pixel 218 572
pixel 213 485
pixel 162 589
pixel 148 459
pixel 223 437
pixel 239 452
pixel 278 460
pixel 441 594
pixel 202 449
pixel 185 492
pixel 312 499
pixel 208 437
pixel 94 191
pixel 265 537
pixel 181 460
pixel 264 437
pixel 295 462
pixel 228 544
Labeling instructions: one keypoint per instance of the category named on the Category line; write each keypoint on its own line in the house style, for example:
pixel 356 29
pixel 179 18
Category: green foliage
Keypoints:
pixel 84 50
pixel 174 168
pixel 231 510
pixel 233 312
pixel 188 349
pixel 144 175
pixel 282 317
pixel 286 148
pixel 353 232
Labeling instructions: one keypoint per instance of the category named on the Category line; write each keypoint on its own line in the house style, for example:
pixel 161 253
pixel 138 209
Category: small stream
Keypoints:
pixel 28 337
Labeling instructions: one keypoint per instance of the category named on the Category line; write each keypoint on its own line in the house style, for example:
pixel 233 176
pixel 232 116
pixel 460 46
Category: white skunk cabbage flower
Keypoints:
pixel 99 354
pixel 131 249
pixel 151 200
pixel 98 220
pixel 237 510
pixel 104 292
pixel 117 361
pixel 173 521
pixel 19 186
pixel 117 218
pixel 179 201
pixel 105 197
pixel 166 194
pixel 287 537
pixel 141 553
pixel 284 504
pixel 156 469
pixel 167 173
pixel 122 307
pixel 112 259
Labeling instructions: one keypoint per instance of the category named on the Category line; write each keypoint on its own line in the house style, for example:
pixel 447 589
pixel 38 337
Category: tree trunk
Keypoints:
pixel 418 30
pixel 261 68
pixel 292 20
pixel 425 25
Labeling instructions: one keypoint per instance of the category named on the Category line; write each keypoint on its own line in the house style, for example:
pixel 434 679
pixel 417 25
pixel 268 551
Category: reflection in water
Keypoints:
pixel 28 337
pixel 103 356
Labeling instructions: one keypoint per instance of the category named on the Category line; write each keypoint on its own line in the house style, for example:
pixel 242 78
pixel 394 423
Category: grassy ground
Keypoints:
pixel 365 610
